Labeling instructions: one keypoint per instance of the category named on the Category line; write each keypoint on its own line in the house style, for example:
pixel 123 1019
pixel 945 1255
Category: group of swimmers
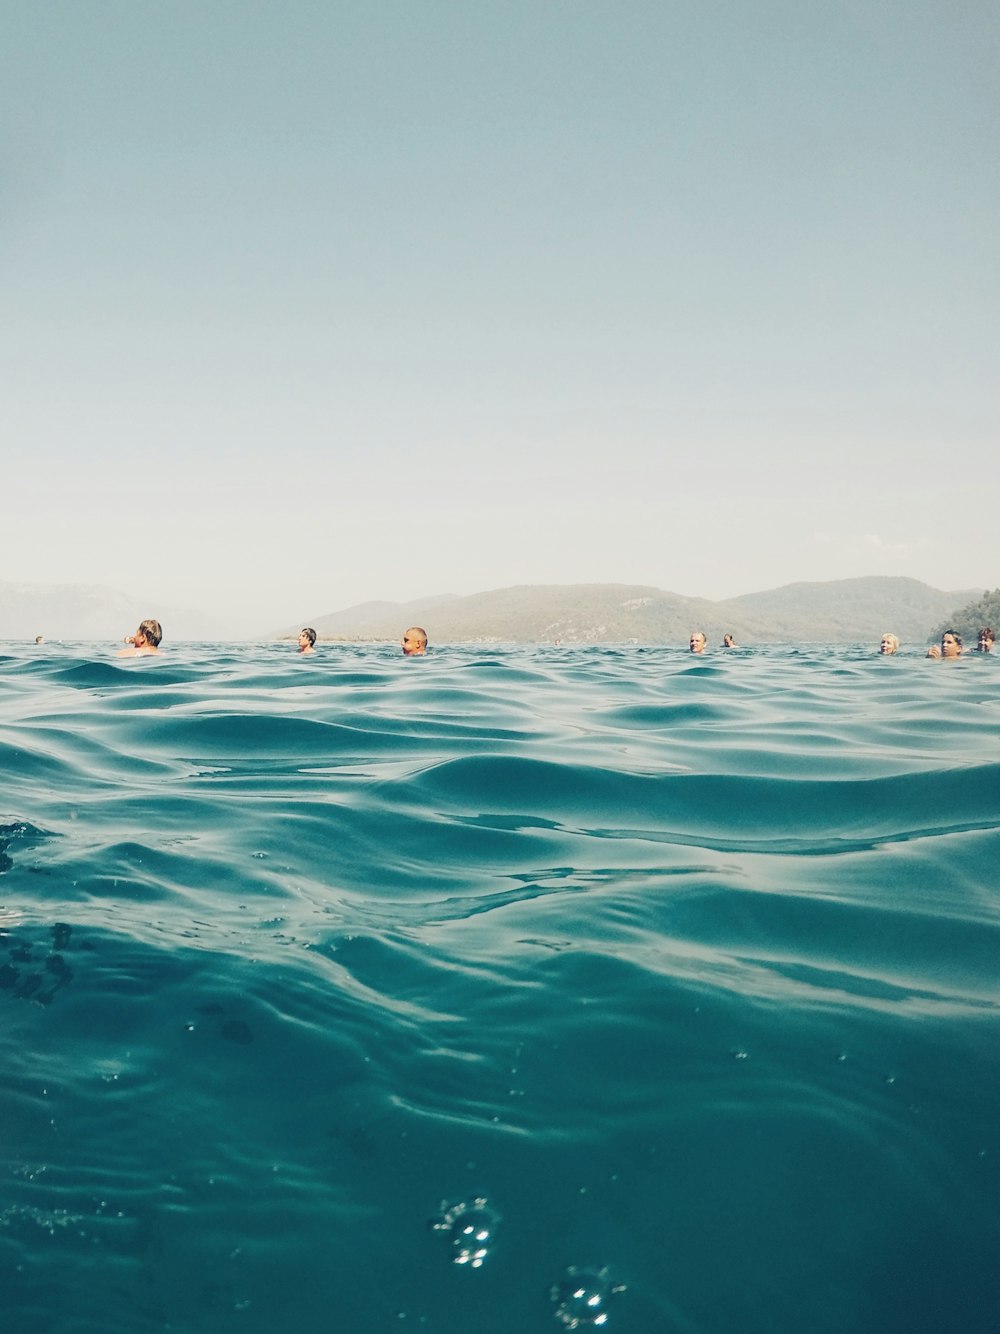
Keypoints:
pixel 414 641
pixel 147 638
pixel 698 642
pixel 951 644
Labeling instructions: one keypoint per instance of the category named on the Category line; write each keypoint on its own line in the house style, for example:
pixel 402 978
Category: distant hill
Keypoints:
pixel 968 620
pixel 847 610
pixel 840 611
pixel 90 612
pixel 367 620
pixel 836 612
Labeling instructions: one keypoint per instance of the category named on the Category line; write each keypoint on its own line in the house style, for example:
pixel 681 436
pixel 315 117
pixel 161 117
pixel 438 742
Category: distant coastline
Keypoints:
pixel 842 611
pixel 836 612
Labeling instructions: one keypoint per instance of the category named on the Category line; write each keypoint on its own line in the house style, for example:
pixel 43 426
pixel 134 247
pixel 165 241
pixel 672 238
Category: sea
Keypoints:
pixel 506 990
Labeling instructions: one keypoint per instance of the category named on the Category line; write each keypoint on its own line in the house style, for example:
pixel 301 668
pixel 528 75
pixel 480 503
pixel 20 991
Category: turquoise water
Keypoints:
pixel 688 968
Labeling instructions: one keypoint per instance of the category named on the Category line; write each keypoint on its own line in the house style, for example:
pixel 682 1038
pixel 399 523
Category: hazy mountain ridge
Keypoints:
pixel 967 620
pixel 838 611
pixel 356 620
pixel 91 612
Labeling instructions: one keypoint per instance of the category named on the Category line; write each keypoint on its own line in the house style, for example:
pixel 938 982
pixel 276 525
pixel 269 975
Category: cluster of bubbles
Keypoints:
pixel 579 1299
pixel 471 1226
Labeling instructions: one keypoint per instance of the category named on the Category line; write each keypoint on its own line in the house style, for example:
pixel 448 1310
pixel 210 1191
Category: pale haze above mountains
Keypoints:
pixel 839 611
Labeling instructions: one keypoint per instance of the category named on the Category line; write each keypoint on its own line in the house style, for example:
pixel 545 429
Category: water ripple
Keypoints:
pixel 685 969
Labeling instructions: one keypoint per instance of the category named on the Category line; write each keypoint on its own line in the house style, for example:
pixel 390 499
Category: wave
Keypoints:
pixel 685 969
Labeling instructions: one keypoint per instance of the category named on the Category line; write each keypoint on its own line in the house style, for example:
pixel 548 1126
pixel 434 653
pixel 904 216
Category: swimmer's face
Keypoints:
pixel 413 644
pixel 304 643
pixel 697 642
pixel 950 647
pixel 887 645
pixel 986 643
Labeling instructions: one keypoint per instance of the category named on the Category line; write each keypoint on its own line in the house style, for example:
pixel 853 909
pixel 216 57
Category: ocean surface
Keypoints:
pixel 500 991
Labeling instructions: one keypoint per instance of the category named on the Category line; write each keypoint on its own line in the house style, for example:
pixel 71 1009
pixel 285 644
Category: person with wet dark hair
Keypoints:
pixel 951 644
pixel 307 639
pixel 986 640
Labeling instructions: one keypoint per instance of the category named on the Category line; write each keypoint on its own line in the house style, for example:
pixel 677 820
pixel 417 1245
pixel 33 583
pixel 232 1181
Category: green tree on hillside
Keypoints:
pixel 968 620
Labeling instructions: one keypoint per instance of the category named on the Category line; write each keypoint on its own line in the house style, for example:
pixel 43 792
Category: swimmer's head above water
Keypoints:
pixel 145 640
pixel 414 642
pixel 951 644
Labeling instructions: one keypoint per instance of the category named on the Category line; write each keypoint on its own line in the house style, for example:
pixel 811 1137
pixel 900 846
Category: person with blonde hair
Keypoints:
pixel 889 644
pixel 145 640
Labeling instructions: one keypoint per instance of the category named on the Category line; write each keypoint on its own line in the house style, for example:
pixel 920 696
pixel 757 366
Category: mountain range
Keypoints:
pixel 90 612
pixel 835 612
pixel 839 611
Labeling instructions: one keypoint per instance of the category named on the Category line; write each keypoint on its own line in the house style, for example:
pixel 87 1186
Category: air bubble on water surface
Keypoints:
pixel 580 1299
pixel 471 1227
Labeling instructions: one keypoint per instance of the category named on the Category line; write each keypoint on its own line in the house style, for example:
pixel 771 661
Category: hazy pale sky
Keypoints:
pixel 315 302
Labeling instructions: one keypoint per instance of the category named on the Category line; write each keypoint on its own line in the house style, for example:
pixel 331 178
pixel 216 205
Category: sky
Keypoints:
pixel 312 303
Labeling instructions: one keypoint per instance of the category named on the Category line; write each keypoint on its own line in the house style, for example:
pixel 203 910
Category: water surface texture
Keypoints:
pixel 499 992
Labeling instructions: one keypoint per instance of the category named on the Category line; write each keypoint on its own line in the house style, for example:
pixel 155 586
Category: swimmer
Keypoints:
pixel 951 644
pixel 307 639
pixel 986 640
pixel 697 643
pixel 415 642
pixel 145 640
pixel 729 642
pixel 889 643
pixel 39 639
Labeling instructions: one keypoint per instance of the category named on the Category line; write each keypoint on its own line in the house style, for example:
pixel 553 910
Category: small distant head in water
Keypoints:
pixel 951 644
pixel 414 642
pixel 986 640
pixel 39 639
pixel 145 640
pixel 697 643
pixel 889 643
pixel 307 639
pixel 728 641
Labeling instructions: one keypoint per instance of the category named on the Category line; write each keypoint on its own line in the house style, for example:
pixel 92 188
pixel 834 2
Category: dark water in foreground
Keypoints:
pixel 689 968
